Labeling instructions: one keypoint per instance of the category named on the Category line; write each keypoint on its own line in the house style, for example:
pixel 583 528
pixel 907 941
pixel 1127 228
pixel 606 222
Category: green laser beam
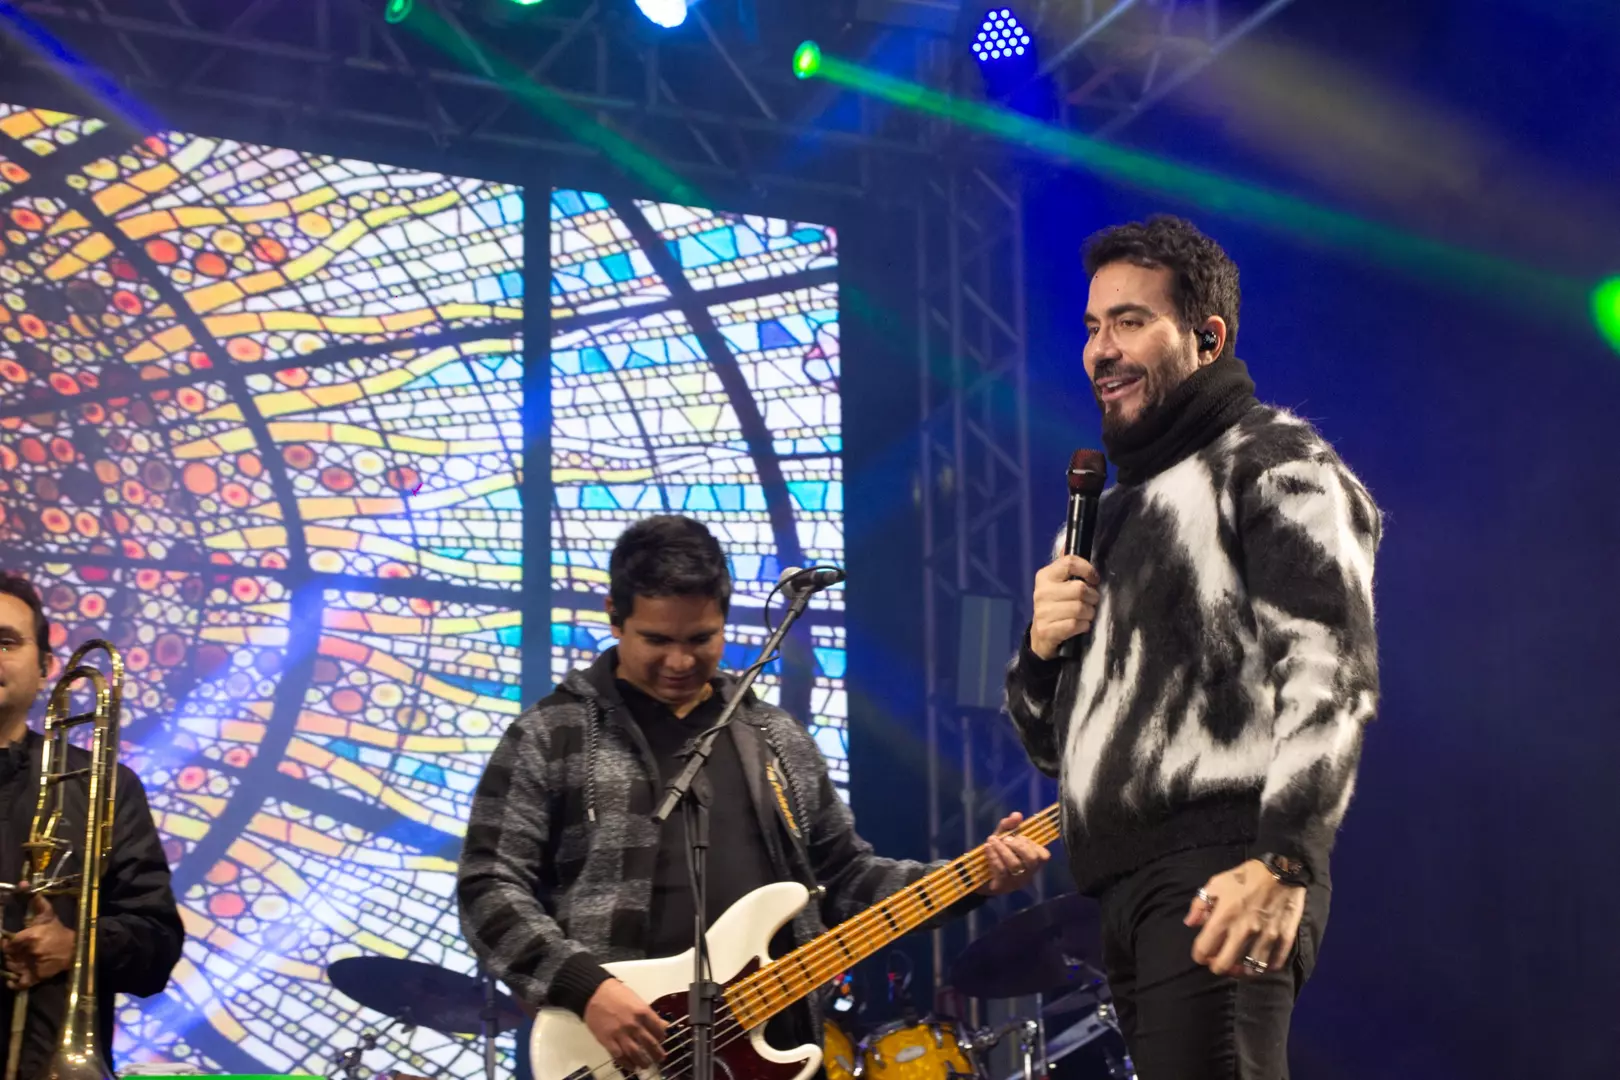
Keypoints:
pixel 1606 311
pixel 1212 191
pixel 511 79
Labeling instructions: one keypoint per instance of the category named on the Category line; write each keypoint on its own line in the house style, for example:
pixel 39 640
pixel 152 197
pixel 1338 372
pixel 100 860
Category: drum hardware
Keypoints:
pixel 1097 1029
pixel 422 995
pixel 347 1064
pixel 1082 1001
pixel 1051 942
pixel 1028 1032
pixel 1043 952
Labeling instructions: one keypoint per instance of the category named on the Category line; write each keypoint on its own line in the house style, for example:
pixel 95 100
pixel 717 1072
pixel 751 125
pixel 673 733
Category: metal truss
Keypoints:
pixel 1119 58
pixel 973 484
pixel 575 79
pixel 568 79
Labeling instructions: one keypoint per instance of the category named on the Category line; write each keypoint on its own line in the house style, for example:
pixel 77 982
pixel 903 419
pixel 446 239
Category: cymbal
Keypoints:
pixel 1041 950
pixel 422 994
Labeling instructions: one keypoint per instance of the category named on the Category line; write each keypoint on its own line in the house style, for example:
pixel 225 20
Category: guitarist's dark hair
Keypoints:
pixel 667 555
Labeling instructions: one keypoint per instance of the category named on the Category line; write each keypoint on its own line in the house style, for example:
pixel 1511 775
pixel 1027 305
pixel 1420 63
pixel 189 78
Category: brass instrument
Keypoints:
pixel 78 1057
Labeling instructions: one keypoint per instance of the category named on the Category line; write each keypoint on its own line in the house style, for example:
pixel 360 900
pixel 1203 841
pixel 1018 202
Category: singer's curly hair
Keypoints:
pixel 1204 279
pixel 666 555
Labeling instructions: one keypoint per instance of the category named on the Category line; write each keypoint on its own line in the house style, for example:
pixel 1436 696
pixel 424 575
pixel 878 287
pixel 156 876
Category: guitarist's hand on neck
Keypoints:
pixel 1014 860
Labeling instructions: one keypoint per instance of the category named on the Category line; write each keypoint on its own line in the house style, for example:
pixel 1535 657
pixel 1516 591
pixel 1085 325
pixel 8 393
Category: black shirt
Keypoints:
pixel 739 856
pixel 739 860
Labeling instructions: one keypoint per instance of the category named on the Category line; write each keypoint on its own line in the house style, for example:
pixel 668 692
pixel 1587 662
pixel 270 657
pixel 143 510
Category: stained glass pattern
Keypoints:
pixel 694 369
pixel 260 426
pixel 42 131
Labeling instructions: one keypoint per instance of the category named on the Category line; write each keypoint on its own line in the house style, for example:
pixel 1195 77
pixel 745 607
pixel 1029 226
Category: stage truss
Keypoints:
pixel 715 101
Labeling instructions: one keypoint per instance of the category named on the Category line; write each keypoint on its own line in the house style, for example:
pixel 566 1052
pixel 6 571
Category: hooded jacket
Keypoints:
pixel 557 867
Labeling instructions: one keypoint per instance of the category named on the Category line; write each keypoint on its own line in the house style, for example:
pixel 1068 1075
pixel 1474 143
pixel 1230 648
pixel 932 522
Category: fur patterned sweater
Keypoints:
pixel 1223 690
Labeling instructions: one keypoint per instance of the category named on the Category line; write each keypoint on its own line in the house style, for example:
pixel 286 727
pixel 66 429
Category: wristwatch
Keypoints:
pixel 1286 870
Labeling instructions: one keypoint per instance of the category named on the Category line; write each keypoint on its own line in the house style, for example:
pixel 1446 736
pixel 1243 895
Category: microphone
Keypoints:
pixel 1088 471
pixel 814 579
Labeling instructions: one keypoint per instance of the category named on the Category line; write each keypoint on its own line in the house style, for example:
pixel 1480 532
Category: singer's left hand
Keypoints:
pixel 1014 860
pixel 1249 914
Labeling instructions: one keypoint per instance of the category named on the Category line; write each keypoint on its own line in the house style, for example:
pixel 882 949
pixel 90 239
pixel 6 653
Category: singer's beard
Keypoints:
pixel 1170 371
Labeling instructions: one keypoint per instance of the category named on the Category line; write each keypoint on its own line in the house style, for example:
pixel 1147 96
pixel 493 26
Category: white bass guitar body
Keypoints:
pixel 562 1047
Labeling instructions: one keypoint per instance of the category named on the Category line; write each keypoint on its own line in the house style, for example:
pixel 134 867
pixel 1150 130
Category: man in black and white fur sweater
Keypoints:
pixel 563 869
pixel 1208 728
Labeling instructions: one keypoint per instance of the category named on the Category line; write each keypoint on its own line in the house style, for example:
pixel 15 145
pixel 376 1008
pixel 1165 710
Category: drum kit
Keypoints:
pixel 1040 953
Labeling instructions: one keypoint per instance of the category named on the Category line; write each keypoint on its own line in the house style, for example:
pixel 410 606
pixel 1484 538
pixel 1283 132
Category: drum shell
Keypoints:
pixel 925 1051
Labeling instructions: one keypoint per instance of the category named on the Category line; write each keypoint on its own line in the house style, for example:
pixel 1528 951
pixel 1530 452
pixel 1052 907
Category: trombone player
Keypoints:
pixel 139 933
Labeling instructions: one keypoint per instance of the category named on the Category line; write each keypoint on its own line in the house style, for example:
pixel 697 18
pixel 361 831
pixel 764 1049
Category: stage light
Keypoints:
pixel 807 59
pixel 1606 311
pixel 666 13
pixel 398 11
pixel 1001 37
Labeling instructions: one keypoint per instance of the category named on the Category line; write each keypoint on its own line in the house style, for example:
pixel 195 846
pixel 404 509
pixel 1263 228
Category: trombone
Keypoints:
pixel 46 853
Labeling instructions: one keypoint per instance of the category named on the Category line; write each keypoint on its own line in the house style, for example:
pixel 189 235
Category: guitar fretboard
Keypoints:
pixel 760 996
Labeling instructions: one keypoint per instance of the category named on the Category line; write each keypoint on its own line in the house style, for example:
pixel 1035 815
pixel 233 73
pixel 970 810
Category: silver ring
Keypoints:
pixel 1204 897
pixel 1257 966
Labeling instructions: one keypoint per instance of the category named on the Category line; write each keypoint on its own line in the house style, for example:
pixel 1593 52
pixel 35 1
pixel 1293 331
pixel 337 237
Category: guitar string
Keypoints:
pixel 1037 824
pixel 728 1030
pixel 908 903
pixel 907 900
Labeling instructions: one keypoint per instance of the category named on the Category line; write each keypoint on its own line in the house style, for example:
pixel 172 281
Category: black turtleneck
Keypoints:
pixel 1206 403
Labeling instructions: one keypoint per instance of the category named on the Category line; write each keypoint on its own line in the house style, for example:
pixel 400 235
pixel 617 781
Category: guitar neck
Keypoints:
pixel 760 996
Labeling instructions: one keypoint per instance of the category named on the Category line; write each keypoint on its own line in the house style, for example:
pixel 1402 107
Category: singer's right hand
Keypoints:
pixel 1066 601
pixel 625 1026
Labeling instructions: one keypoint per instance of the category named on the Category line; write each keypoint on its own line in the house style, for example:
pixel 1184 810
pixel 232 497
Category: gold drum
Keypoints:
pixel 839 1055
pixel 926 1051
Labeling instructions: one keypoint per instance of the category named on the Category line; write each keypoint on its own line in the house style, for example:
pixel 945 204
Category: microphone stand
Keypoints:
pixel 680 792
pixel 490 1015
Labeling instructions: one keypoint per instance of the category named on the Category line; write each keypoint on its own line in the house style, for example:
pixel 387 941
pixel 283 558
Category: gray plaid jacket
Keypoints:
pixel 557 866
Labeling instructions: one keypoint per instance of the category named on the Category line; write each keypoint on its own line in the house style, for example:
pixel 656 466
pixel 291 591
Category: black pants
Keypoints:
pixel 1180 1021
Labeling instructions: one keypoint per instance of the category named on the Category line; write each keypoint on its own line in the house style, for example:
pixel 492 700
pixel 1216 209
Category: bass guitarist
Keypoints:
pixel 563 869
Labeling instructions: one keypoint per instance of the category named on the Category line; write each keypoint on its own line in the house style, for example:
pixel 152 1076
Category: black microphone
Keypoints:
pixel 1088 471
pixel 814 579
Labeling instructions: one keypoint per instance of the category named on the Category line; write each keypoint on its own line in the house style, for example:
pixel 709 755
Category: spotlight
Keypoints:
pixel 807 59
pixel 666 13
pixel 398 11
pixel 1001 37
